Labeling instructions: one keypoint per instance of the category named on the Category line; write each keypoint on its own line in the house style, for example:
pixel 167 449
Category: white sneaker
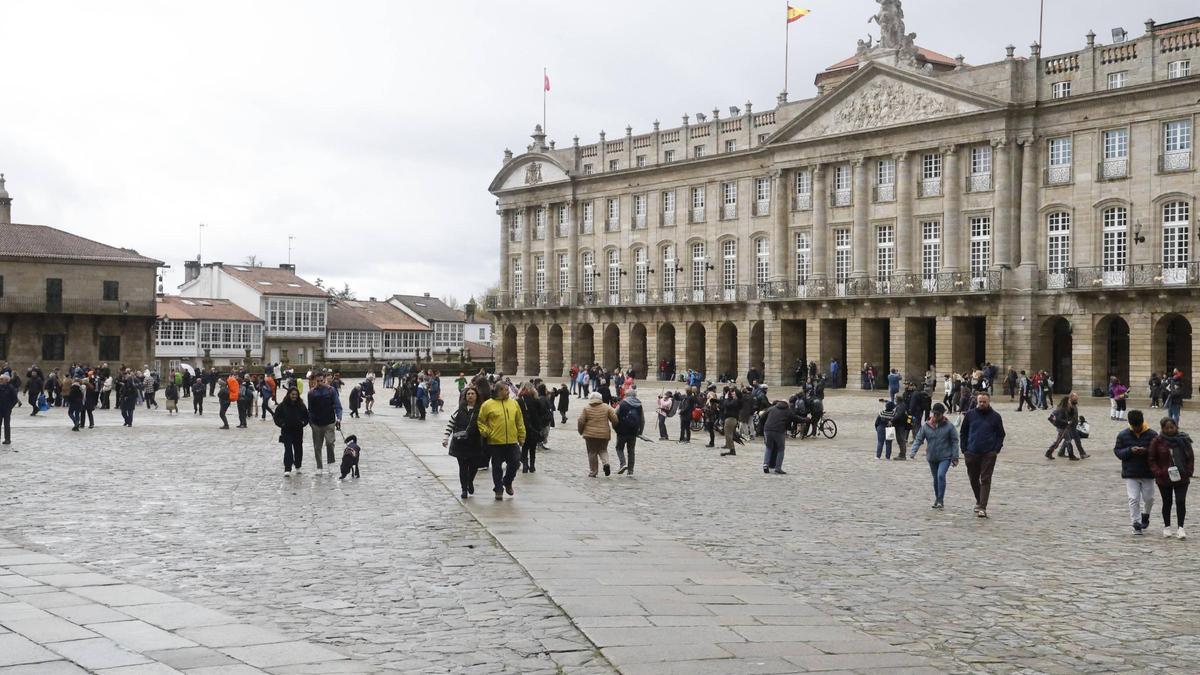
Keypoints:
pixel 1167 532
pixel 287 474
pixel 1180 534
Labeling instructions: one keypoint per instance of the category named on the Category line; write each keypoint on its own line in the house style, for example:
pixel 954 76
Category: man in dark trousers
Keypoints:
pixel 774 426
pixel 982 437
pixel 8 401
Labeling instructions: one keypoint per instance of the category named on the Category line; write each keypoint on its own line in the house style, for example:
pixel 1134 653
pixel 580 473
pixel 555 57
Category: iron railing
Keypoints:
pixel 1152 275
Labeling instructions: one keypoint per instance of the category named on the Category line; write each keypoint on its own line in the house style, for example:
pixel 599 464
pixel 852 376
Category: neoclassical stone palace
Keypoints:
pixel 1034 212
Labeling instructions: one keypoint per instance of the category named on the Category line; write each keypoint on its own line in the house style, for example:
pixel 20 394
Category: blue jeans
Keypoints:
pixel 880 443
pixel 939 469
pixel 776 443
pixel 1173 411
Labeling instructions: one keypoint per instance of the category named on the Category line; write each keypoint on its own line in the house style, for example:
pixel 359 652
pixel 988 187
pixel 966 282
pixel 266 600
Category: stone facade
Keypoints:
pixel 1033 212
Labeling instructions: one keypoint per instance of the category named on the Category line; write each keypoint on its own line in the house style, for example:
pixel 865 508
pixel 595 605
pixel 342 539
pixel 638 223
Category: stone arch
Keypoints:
pixel 554 348
pixel 612 347
pixel 638 350
pixel 1110 351
pixel 758 348
pixel 533 351
pixel 1056 346
pixel 727 348
pixel 696 348
pixel 508 350
pixel 1171 347
pixel 666 348
pixel 585 344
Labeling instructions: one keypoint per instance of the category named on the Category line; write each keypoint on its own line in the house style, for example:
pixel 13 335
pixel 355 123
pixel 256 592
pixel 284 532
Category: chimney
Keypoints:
pixel 5 204
pixel 288 266
pixel 191 270
pixel 427 294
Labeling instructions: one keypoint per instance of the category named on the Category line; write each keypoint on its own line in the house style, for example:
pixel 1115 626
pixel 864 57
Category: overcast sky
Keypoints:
pixel 370 129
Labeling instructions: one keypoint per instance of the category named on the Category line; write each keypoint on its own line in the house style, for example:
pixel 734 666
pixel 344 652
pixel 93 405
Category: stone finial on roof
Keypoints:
pixel 5 204
pixel 1091 38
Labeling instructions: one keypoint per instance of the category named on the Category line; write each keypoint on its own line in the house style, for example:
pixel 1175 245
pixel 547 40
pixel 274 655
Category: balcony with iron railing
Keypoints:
pixel 803 201
pixel 841 197
pixel 728 211
pixel 930 187
pixel 762 207
pixel 978 182
pixel 885 193
pixel 1175 160
pixel 1113 169
pixel 16 305
pixel 1117 277
pixel 893 286
pixel 697 214
pixel 1058 175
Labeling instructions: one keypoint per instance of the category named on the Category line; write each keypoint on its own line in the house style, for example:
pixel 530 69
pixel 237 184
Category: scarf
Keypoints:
pixel 1138 431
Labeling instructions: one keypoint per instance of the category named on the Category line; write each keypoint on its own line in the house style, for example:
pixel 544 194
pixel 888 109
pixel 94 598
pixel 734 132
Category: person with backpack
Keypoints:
pixel 685 404
pixel 595 426
pixel 666 408
pixel 1173 461
pixel 547 410
pixel 902 422
pixel 631 421
pixel 1066 418
pixel 531 415
pixel 129 400
pixel 1133 449
pixel 245 400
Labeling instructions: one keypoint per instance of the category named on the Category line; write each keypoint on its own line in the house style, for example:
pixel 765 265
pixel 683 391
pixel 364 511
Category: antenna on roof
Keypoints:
pixel 200 242
pixel 291 238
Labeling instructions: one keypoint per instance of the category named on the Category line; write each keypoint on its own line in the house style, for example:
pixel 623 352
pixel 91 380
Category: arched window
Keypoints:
pixel 1114 245
pixel 1058 247
pixel 762 260
pixel 670 265
pixel 1177 228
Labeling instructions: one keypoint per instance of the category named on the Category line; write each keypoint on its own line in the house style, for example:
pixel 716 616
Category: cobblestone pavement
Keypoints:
pixel 388 569
pixel 1054 581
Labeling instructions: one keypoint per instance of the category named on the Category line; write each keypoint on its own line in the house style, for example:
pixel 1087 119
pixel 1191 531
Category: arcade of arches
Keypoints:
pixel 1082 350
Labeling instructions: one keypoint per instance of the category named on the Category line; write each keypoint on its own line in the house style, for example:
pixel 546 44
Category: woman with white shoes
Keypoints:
pixel 1173 463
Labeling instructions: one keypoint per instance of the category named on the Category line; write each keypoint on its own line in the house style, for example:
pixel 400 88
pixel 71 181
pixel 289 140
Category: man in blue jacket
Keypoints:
pixel 982 435
pixel 325 417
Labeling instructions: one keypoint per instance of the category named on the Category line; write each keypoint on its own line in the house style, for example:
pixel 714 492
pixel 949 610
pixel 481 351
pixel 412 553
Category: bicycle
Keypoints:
pixel 825 426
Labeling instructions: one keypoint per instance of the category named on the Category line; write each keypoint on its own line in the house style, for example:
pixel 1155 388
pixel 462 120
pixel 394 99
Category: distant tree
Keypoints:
pixel 344 294
pixel 319 283
pixel 451 302
pixel 252 261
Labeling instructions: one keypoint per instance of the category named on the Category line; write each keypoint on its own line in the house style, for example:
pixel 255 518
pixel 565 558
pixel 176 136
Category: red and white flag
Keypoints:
pixel 546 86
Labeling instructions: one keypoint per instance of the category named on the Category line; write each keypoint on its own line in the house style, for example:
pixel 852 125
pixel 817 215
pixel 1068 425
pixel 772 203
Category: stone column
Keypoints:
pixel 1002 175
pixel 527 253
pixel 861 233
pixel 543 364
pixel 898 348
pixel 623 357
pixel 854 352
pixel 776 372
pixel 551 263
pixel 574 208
pixel 820 226
pixel 944 345
pixel 907 240
pixel 1141 359
pixel 505 277
pixel 782 213
pixel 952 212
pixel 652 359
pixel 1029 210
pixel 745 330
pixel 812 345
pixel 1082 368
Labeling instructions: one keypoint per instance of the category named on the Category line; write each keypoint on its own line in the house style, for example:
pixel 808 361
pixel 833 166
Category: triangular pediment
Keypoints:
pixel 530 170
pixel 879 96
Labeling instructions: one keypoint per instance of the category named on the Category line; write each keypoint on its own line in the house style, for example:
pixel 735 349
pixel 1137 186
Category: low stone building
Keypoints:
pixel 364 331
pixel 206 332
pixel 65 299
pixel 919 212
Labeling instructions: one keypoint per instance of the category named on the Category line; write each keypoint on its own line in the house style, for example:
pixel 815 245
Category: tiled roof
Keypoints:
pixel 273 280
pixel 48 243
pixel 478 351
pixel 206 309
pixel 429 308
pixel 370 315
pixel 926 54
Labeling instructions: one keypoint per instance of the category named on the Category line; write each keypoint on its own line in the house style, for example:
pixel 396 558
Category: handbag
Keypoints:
pixel 889 433
pixel 1084 429
pixel 42 405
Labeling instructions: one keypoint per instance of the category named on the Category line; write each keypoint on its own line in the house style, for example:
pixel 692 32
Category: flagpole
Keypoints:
pixel 1041 21
pixel 544 101
pixel 787 28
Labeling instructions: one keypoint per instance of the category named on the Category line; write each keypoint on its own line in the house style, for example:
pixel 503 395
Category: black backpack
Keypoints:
pixel 629 419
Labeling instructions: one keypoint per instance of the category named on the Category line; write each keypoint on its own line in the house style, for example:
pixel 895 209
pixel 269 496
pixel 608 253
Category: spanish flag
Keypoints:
pixel 794 14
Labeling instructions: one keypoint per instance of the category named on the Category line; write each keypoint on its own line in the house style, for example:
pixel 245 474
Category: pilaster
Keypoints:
pixel 745 332
pixel 1002 174
pixel 952 211
pixel 944 344
pixel 907 240
pixel 1141 326
pixel 505 278
pixel 860 236
pixel 854 351
pixel 1027 270
pixel 820 226
pixel 898 348
pixel 813 330
pixel 782 214
pixel 1083 370
pixel 776 372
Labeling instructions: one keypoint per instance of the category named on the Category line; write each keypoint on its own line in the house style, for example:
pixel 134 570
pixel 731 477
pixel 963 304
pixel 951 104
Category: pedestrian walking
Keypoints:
pixel 731 407
pixel 1173 398
pixel 502 429
pixel 631 422
pixel 893 380
pixel 595 425
pixel 1066 418
pixel 172 396
pixel 1173 462
pixel 773 427
pixel 464 441
pixel 940 439
pixel 291 417
pixel 982 438
pixel 223 400
pixel 324 418
pixel 1133 449
pixel 75 400
pixel 198 396
pixel 533 416
pixel 885 434
pixel 129 399
pixel 245 400
pixel 902 422
pixel 9 397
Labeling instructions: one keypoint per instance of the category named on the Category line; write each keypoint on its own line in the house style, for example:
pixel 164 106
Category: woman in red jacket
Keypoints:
pixel 1173 462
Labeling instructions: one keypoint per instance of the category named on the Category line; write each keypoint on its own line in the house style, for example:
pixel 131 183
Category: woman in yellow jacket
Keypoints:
pixel 502 428
pixel 596 423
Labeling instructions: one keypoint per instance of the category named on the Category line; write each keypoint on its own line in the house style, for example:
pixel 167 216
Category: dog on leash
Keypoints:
pixel 350 457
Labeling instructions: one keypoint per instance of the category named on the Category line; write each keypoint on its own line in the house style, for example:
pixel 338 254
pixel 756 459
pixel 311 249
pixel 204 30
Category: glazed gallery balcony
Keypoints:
pixel 946 283
pixel 1106 277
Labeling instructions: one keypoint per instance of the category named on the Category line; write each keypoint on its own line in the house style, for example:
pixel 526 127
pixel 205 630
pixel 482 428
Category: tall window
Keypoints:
pixel 1176 224
pixel 564 221
pixel 981 249
pixel 1059 151
pixel 613 165
pixel 516 225
pixel 539 223
pixel 697 204
pixel 699 271
pixel 841 185
pixel 668 156
pixel 729 268
pixel 729 200
pixel 1058 248
pixel 612 220
pixel 981 168
pixel 111 290
pixel 1115 245
pixel 54 347
pixel 762 196
pixel 803 258
pixel 931 174
pixel 803 190
pixel 639 211
pixel 668 207
pixel 730 145
pixel 1116 153
pixel 564 273
pixel 698 151
pixel 670 265
pixel 931 253
pixel 588 270
pixel 614 276
pixel 589 216
pixel 885 253
pixel 641 274
pixel 539 274
pixel 885 180
pixel 1177 145
pixel 762 260
pixel 518 280
pixel 841 259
